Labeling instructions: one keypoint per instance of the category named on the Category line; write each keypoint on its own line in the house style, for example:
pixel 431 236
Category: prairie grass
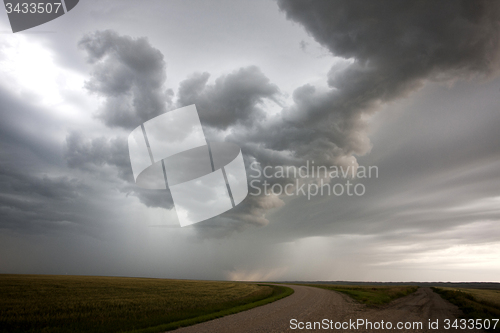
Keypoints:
pixel 279 292
pixel 485 296
pixel 370 295
pixel 43 303
pixel 474 303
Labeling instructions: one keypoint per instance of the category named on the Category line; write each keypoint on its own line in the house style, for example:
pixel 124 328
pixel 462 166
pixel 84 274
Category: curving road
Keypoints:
pixel 309 304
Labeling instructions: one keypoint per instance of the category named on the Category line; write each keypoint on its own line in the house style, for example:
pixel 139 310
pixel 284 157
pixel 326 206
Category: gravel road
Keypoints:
pixel 310 304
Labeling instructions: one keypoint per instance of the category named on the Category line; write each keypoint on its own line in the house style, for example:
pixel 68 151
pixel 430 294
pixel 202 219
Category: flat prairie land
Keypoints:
pixel 485 296
pixel 370 295
pixel 483 304
pixel 44 303
pixel 311 305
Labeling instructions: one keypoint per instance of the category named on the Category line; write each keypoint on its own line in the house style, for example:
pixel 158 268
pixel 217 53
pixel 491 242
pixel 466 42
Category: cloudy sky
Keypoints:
pixel 412 88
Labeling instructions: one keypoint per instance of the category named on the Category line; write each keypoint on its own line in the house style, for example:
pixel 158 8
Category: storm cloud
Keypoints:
pixel 411 87
pixel 390 54
pixel 233 99
pixel 129 73
pixel 394 48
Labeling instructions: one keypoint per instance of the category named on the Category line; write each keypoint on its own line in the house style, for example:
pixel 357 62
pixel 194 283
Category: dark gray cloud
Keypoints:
pixel 393 52
pixel 395 48
pixel 81 153
pixel 37 204
pixel 68 203
pixel 33 196
pixel 38 194
pixel 233 99
pixel 91 155
pixel 57 188
pixel 437 156
pixel 121 66
pixel 412 39
pixel 129 73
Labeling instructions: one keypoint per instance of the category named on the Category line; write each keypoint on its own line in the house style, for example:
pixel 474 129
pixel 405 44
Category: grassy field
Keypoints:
pixel 38 303
pixel 474 303
pixel 370 295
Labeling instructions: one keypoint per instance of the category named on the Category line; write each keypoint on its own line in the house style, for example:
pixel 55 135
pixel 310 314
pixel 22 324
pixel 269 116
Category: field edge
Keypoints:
pixel 279 292
pixel 371 296
pixel 471 307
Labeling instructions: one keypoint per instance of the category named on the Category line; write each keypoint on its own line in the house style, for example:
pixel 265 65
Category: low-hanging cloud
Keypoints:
pixel 129 73
pixel 91 155
pixel 393 49
pixel 233 99
pixel 396 46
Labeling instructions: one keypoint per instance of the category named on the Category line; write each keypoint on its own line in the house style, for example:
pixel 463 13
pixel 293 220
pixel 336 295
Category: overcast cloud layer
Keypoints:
pixel 410 87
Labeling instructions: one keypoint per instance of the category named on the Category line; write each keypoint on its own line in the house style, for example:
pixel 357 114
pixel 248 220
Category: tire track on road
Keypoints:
pixel 309 304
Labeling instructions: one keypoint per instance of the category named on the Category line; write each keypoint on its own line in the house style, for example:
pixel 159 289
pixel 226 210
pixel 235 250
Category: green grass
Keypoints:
pixel 54 304
pixel 370 295
pixel 279 292
pixel 474 303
